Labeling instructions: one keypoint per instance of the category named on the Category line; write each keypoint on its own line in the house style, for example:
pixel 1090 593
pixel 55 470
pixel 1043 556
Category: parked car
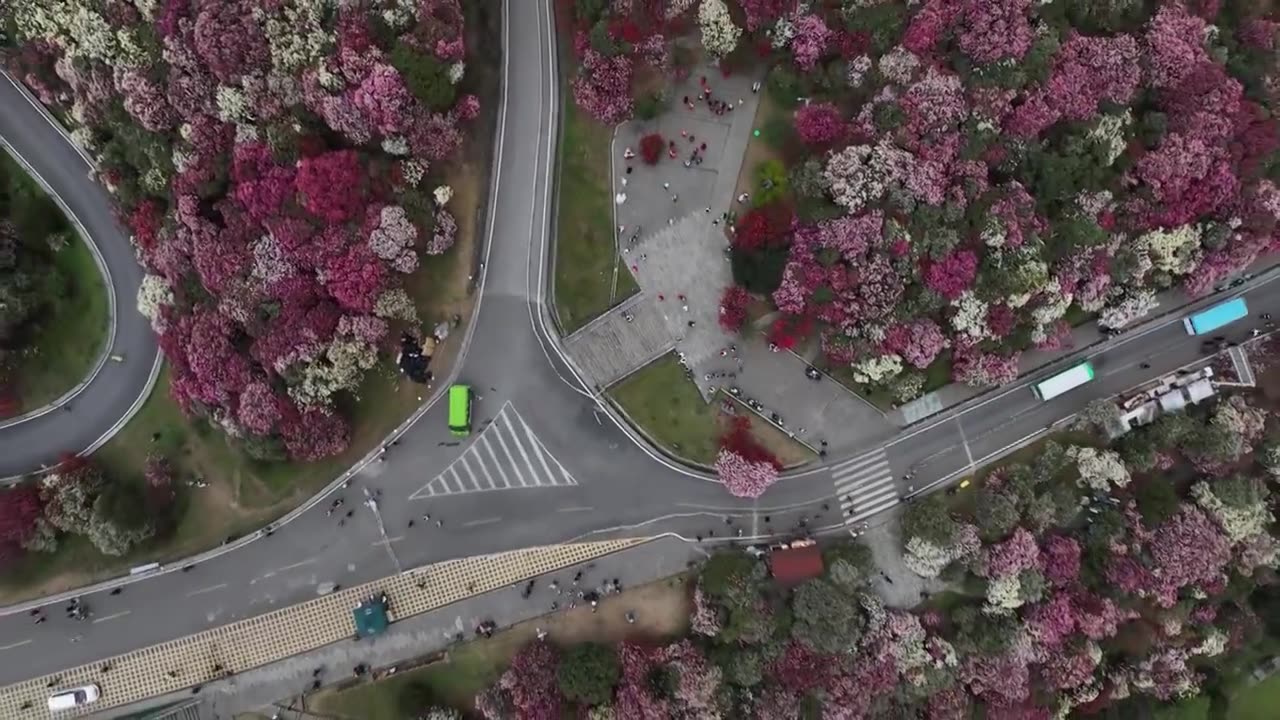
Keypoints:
pixel 73 697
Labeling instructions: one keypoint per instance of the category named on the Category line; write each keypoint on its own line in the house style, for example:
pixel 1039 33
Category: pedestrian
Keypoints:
pixel 629 169
pixel 675 198
pixel 439 523
pixel 691 323
pixel 708 210
pixel 755 87
pixel 628 153
pixel 666 186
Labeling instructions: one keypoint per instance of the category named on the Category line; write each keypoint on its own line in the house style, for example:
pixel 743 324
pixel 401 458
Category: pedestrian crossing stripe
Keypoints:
pixel 506 455
pixel 864 486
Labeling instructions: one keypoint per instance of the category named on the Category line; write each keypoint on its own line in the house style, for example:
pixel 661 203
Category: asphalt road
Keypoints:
pixel 101 404
pixel 546 465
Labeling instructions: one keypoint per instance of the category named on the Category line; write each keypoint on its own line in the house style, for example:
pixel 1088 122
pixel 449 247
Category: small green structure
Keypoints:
pixel 371 617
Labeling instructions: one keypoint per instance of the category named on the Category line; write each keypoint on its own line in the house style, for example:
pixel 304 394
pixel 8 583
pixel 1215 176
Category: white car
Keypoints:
pixel 73 697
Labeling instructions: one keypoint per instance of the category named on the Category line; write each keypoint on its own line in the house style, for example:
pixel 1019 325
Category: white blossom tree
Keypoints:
pixel 719 34
pixel 1101 470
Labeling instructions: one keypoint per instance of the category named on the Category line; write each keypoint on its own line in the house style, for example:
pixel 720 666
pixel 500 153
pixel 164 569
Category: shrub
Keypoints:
pixel 651 148
pixel 733 308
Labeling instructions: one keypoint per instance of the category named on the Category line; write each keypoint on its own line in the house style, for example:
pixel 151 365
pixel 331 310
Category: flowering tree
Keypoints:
pixel 819 124
pixel 603 87
pixel 530 680
pixel 651 148
pixel 719 34
pixel 733 308
pixel 743 477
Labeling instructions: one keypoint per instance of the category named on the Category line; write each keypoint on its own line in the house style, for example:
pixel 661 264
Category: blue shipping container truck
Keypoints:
pixel 1215 317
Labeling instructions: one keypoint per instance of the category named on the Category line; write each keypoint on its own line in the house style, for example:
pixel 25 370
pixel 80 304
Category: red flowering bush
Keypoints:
pixel 733 308
pixel 819 124
pixel 766 226
pixel 651 148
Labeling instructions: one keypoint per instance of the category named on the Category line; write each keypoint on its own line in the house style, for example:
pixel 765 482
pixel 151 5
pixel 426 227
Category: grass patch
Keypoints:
pixel 667 406
pixel 1257 702
pixel 57 334
pixel 586 257
pixel 72 329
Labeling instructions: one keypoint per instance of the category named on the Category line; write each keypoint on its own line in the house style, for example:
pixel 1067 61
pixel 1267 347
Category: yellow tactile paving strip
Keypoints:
pixel 240 646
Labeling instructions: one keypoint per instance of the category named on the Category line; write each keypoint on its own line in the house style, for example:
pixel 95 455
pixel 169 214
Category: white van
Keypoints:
pixel 73 697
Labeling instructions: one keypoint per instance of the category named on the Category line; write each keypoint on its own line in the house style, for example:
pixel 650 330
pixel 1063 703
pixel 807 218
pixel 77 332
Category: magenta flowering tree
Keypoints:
pixel 1010 557
pixel 819 124
pixel 973 366
pixel 1061 555
pixel 993 30
pixel 812 37
pixel 330 185
pixel 356 278
pixel 383 99
pixel 953 274
pixel 1174 45
pixel 918 342
pixel 1188 549
pixel 530 680
pixel 229 40
pixel 603 87
pixel 259 408
pixel 762 13
pixel 743 477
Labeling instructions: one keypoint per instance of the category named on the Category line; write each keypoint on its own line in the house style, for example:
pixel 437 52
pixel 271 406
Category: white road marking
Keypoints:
pixel 105 618
pixel 211 588
pixel 486 521
pixel 15 645
pixel 389 540
pixel 296 565
pixel 506 455
pixel 575 509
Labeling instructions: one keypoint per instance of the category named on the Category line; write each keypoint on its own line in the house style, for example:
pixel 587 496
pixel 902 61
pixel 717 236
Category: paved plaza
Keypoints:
pixel 672 231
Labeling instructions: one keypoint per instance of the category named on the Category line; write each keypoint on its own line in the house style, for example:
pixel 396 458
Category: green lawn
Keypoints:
pixel 72 331
pixel 1258 702
pixel 61 341
pixel 667 405
pixel 661 401
pixel 586 257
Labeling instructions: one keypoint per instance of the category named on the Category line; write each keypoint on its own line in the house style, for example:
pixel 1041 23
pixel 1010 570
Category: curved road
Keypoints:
pixel 92 415
pixel 551 466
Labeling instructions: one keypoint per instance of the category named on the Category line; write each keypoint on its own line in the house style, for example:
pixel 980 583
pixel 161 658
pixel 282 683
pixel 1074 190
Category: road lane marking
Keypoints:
pixel 296 565
pixel 211 588
pixel 505 455
pixel 15 645
pixel 105 618
pixel 486 521
pixel 389 540
pixel 575 509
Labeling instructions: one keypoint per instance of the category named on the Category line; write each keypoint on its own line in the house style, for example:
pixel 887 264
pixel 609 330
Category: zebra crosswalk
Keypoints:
pixel 504 456
pixel 864 486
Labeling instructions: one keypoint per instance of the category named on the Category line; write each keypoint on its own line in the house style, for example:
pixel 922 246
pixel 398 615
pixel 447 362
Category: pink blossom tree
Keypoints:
pixel 953 274
pixel 918 342
pixel 812 37
pixel 993 30
pixel 603 87
pixel 743 477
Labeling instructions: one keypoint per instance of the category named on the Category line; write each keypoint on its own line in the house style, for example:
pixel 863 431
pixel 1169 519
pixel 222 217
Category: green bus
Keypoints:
pixel 460 410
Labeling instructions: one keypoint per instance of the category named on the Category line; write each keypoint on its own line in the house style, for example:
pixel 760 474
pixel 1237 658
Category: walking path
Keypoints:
pixel 634 563
pixel 672 222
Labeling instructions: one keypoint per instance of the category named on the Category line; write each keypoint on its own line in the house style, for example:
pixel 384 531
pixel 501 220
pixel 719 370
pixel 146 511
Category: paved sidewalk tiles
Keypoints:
pixel 610 348
pixel 506 455
pixel 864 486
pixel 230 649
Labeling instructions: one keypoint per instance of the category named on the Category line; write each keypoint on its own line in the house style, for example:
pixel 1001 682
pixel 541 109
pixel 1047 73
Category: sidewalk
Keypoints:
pixel 427 634
pixel 235 656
